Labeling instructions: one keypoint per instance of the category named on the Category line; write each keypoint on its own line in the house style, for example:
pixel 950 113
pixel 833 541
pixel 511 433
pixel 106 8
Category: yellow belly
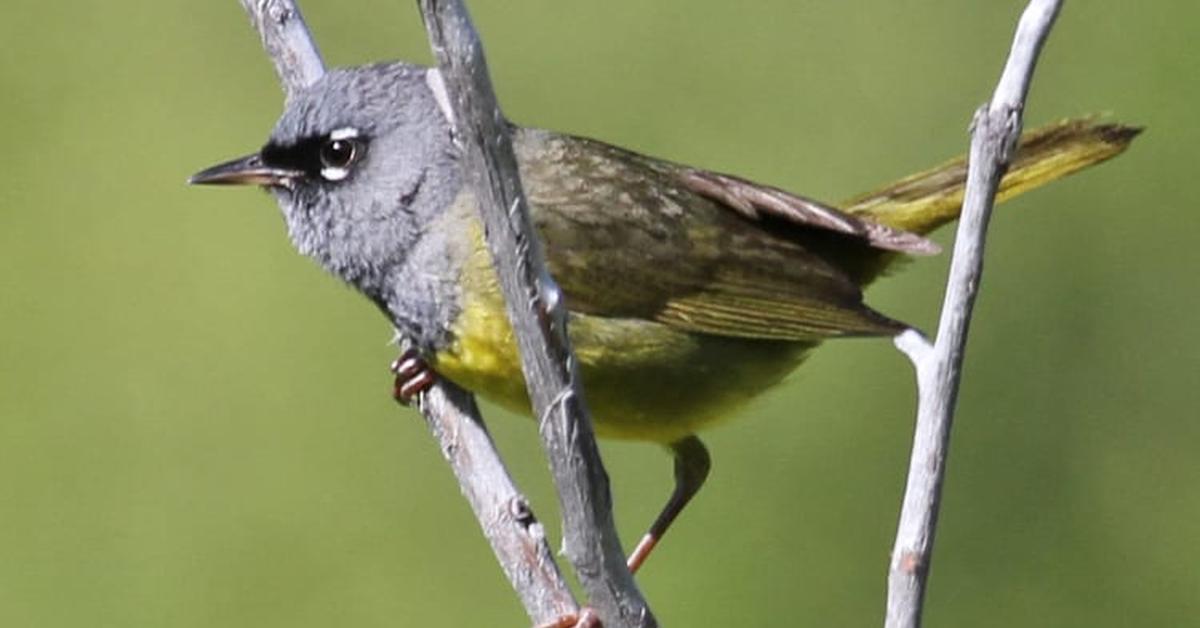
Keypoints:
pixel 643 380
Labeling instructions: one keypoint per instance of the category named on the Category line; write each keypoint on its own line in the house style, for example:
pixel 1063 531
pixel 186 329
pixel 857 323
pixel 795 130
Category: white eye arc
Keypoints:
pixel 334 174
pixel 340 150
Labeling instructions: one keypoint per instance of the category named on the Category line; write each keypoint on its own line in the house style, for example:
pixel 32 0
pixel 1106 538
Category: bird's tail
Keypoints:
pixel 927 200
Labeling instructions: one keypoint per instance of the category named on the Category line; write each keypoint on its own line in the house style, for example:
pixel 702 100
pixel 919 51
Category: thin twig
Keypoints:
pixel 995 130
pixel 516 537
pixel 539 320
pixel 288 43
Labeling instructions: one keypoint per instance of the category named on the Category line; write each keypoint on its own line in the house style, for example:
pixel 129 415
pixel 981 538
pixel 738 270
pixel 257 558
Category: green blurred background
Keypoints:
pixel 195 422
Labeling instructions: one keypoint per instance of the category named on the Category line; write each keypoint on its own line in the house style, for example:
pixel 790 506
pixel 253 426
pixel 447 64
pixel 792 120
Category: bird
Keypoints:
pixel 689 292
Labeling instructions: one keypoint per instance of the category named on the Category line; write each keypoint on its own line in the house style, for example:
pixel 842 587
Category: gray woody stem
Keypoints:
pixel 538 316
pixel 287 41
pixel 517 539
pixel 995 131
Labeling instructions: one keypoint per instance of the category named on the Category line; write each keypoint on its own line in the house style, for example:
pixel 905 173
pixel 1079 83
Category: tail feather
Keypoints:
pixel 925 201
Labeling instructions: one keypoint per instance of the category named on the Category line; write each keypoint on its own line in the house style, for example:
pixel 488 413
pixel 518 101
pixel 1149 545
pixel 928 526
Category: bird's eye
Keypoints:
pixel 339 154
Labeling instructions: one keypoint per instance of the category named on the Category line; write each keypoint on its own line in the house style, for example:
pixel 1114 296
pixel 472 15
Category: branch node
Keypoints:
pixel 911 562
pixel 558 403
pixel 519 508
pixel 914 344
pixel 278 13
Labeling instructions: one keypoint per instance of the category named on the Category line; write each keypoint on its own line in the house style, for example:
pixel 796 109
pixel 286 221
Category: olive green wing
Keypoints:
pixel 632 237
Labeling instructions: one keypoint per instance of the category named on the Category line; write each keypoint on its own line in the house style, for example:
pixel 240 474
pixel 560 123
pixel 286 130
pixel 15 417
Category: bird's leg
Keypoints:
pixel 413 376
pixel 691 469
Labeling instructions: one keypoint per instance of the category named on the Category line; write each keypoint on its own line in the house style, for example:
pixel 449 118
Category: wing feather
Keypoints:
pixel 631 237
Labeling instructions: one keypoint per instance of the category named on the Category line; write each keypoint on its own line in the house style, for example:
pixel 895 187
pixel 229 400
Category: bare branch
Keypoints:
pixel 287 41
pixel 995 131
pixel 539 320
pixel 516 537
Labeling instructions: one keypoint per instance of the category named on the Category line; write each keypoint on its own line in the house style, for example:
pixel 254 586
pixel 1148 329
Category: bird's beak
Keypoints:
pixel 248 170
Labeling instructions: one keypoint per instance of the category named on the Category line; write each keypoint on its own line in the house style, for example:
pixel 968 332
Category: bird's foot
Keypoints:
pixel 413 377
pixel 585 618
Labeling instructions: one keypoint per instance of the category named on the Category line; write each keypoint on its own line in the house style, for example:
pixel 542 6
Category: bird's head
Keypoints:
pixel 360 162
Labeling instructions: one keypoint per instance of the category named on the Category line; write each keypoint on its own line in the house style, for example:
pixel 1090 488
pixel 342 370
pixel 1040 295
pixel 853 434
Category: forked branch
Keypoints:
pixel 994 133
pixel 515 535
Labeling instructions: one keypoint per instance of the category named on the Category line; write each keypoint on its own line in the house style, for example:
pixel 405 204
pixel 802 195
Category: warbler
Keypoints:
pixel 689 292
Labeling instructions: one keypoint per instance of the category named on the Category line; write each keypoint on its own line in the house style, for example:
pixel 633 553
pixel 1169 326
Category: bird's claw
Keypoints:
pixel 585 618
pixel 413 377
